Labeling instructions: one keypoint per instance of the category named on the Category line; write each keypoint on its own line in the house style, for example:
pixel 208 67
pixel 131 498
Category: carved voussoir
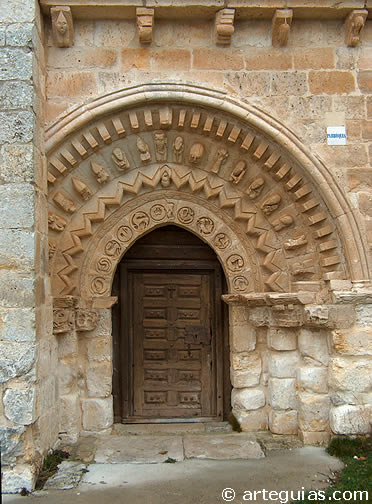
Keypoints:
pixel 224 26
pixel 145 22
pixel 62 26
pixel 354 25
pixel 282 21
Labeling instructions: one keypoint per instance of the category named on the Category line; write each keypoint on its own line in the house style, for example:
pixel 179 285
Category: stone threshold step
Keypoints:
pixel 171 428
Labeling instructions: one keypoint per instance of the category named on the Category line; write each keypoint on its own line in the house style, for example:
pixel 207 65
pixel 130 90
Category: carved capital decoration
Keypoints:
pixel 71 313
pixel 201 169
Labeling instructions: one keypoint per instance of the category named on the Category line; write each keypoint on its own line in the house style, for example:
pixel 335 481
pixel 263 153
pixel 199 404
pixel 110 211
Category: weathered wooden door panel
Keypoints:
pixel 172 378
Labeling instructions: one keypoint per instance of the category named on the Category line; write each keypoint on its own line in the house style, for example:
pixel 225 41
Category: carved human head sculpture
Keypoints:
pixel 196 153
pixel 62 26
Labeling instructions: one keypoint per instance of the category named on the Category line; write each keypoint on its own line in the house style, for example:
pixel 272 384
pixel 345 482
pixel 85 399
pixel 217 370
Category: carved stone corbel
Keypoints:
pixel 145 22
pixel 354 25
pixel 282 21
pixel 224 26
pixel 62 26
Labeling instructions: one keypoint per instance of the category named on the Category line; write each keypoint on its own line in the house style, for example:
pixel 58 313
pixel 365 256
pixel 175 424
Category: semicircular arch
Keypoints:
pixel 227 159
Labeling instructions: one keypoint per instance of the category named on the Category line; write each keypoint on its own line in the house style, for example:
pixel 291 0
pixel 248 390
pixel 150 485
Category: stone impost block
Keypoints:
pixel 350 374
pixel 313 379
pixel 282 393
pixel 313 344
pixel 283 422
pixel 15 479
pixel 12 445
pixel 313 412
pixel 16 359
pixel 253 421
pixel 243 339
pixel 283 364
pixel 19 405
pixel 282 338
pixel 97 414
pixel 353 342
pixel 99 380
pixel 247 399
pixel 350 419
pixel 314 438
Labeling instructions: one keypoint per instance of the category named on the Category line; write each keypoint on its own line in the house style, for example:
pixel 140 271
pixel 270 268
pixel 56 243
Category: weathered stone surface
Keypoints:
pixel 315 438
pixel 253 421
pixel 99 349
pixel 68 476
pixel 313 412
pixel 364 315
pixel 282 393
pixel 139 449
pixel 11 440
pixel 281 338
pixel 14 95
pixel 19 34
pixel 350 374
pixel 283 422
pixel 97 414
pixel 248 378
pixel 246 360
pixel 283 364
pixel 313 379
pixel 23 256
pixel 17 289
pixel 19 405
pixel 17 324
pixel 226 447
pixel 243 339
pixel 16 359
pixel 16 205
pixel 70 415
pixel 313 343
pixel 16 162
pixel 353 342
pixel 17 126
pixel 14 479
pixel 247 399
pixel 99 380
pixel 349 419
pixel 14 11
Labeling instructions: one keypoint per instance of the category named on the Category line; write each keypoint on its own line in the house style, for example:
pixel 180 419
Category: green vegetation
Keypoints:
pixel 49 468
pixel 356 476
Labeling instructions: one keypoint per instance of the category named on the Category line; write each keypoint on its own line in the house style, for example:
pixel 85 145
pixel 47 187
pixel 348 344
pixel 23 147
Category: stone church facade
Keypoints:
pixel 125 125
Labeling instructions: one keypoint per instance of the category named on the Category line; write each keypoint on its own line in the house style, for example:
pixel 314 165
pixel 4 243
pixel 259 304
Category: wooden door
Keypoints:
pixel 174 373
pixel 171 353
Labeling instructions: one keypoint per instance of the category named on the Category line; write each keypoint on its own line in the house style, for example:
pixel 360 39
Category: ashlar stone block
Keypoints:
pixel 253 421
pixel 97 414
pixel 99 380
pixel 313 412
pixel 349 419
pixel 350 374
pixel 282 338
pixel 247 399
pixel 282 393
pixel 313 379
pixel 313 343
pixel 283 422
pixel 19 405
pixel 283 364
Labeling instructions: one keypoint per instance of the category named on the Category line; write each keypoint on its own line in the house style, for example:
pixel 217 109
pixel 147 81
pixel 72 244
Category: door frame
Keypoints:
pixel 123 337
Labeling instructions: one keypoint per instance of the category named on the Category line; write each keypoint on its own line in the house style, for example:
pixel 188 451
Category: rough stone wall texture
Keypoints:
pixel 26 344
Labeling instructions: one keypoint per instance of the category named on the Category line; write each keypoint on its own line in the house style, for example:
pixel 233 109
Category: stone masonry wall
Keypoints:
pixel 27 388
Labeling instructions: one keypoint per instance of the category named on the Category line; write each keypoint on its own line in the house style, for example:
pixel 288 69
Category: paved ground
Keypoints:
pixel 196 481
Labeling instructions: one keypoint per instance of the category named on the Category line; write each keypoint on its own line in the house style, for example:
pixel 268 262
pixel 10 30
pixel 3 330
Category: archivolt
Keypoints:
pixel 238 172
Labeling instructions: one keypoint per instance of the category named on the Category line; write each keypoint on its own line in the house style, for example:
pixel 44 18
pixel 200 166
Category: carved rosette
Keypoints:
pixel 209 160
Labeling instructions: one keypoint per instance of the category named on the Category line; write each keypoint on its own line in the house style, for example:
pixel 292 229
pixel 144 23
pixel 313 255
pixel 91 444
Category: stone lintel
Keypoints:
pixel 204 9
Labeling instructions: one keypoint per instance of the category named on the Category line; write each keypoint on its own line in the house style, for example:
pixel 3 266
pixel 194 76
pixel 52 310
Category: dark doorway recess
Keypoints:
pixel 170 331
